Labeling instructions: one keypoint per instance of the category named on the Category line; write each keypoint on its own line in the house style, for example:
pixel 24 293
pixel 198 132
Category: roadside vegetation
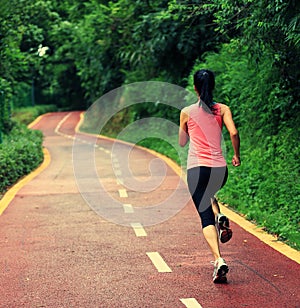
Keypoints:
pixel 21 149
pixel 69 53
pixel 26 115
pixel 20 153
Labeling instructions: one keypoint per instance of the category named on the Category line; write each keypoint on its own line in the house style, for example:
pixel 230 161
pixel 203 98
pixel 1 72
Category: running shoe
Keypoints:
pixel 224 232
pixel 220 271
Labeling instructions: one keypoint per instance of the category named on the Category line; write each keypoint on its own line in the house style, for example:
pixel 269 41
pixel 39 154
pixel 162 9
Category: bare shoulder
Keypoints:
pixel 224 108
pixel 185 111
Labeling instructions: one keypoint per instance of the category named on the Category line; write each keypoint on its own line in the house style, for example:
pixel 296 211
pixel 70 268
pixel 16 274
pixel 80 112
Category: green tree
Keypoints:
pixel 268 28
pixel 258 76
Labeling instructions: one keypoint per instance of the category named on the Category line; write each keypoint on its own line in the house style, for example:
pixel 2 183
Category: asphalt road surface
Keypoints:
pixel 110 225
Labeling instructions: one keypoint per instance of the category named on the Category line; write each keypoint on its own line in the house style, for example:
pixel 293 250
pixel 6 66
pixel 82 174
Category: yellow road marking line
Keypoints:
pixel 268 239
pixel 123 193
pixel 190 303
pixel 11 193
pixel 128 208
pixel 262 235
pixel 138 229
pixel 37 120
pixel 81 119
pixel 158 262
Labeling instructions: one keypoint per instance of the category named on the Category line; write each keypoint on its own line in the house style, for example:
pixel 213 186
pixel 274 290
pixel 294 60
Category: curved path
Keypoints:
pixel 75 242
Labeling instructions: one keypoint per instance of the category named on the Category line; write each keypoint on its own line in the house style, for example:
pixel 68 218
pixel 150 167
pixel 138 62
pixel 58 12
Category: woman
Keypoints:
pixel 201 124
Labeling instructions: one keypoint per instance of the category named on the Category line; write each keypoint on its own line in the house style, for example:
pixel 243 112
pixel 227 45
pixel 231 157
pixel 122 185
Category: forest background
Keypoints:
pixel 63 55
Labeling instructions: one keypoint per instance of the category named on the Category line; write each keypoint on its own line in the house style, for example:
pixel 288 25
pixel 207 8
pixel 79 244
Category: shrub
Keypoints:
pixel 26 115
pixel 20 153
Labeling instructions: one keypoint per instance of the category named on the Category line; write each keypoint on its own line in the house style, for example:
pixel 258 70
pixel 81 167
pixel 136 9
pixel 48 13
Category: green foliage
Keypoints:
pixel 258 76
pixel 166 39
pixel 26 115
pixel 267 28
pixel 265 187
pixel 69 53
pixel 20 153
pixel 21 148
pixel 161 146
pixel 5 107
pixel 5 120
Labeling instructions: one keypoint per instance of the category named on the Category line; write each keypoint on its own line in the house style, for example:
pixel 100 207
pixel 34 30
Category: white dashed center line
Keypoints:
pixel 190 303
pixel 120 182
pixel 159 262
pixel 123 193
pixel 128 208
pixel 116 165
pixel 118 172
pixel 138 229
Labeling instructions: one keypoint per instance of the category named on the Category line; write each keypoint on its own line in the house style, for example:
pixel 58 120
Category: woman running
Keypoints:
pixel 201 124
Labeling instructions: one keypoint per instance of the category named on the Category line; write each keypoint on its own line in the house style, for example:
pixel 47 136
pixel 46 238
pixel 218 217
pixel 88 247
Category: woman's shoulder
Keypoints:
pixel 223 108
pixel 188 108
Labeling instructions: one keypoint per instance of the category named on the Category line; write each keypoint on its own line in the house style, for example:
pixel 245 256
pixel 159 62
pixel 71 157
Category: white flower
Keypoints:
pixel 42 50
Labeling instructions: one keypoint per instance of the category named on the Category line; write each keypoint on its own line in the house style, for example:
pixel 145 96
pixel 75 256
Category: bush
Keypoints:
pixel 21 150
pixel 5 107
pixel 20 153
pixel 26 115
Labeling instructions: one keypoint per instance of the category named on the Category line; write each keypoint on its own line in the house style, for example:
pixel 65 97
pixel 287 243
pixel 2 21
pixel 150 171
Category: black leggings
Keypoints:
pixel 203 183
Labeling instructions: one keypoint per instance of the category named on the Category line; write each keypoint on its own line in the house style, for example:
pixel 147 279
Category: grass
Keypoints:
pixel 26 115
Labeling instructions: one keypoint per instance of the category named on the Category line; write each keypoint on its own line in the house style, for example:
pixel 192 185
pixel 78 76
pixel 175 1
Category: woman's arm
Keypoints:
pixel 234 135
pixel 183 136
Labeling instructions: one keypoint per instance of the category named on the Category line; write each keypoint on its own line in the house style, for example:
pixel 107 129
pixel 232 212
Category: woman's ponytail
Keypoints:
pixel 204 81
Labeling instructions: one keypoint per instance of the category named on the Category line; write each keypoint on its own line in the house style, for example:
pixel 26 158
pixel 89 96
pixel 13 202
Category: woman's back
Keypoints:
pixel 205 132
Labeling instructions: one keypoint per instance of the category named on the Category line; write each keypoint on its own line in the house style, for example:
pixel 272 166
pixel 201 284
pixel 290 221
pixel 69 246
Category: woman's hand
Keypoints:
pixel 236 161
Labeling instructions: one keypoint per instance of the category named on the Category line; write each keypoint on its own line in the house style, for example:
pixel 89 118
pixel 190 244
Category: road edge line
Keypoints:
pixel 35 121
pixel 248 226
pixel 262 235
pixel 11 193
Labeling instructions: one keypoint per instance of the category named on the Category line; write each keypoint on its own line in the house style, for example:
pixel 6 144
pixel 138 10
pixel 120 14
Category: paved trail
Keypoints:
pixel 63 248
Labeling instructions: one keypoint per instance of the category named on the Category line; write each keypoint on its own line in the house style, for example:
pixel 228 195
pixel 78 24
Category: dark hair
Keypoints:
pixel 204 81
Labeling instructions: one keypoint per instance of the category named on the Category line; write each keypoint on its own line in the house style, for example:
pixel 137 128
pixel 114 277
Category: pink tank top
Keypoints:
pixel 205 131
